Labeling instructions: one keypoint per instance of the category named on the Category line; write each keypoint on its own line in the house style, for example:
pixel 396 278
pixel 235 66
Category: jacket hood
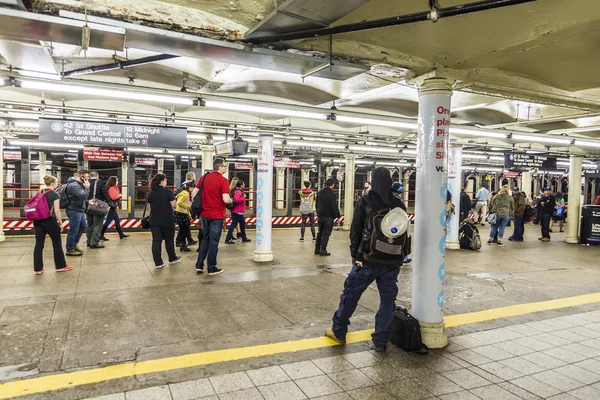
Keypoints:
pixel 381 184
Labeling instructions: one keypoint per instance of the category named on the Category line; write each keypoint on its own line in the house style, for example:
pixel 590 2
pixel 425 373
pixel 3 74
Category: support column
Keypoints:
pixel 251 186
pixel 328 171
pixel 536 185
pixel 177 173
pixel 280 189
pixel 406 187
pixel 207 159
pixel 161 165
pixel 2 237
pixel 430 210
pixel 129 192
pixel 574 205
pixel 125 200
pixel 86 165
pixel 25 176
pixel 305 176
pixel 42 167
pixel 454 186
pixel 289 193
pixel 349 190
pixel 526 183
pixel 264 196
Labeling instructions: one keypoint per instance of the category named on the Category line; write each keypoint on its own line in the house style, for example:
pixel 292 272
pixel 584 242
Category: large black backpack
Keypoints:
pixel 196 207
pixel 375 246
pixel 62 192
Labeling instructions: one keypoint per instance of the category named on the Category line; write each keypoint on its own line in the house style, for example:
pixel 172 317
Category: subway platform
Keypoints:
pixel 524 322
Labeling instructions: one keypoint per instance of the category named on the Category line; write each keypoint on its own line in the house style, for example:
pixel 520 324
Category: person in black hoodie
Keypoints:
pixel 465 204
pixel 364 273
pixel 327 211
pixel 94 222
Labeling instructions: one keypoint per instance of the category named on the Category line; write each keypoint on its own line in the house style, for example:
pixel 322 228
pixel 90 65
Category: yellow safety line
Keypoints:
pixel 95 375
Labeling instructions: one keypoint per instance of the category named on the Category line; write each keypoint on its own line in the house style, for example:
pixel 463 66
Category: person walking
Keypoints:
pixel 232 186
pixel 162 223
pixel 363 273
pixel 98 191
pixel 183 218
pixel 520 204
pixel 327 212
pixel 52 227
pixel 237 214
pixel 77 192
pixel 115 197
pixel 559 212
pixel 503 206
pixel 482 196
pixel 465 204
pixel 547 207
pixel 307 210
pixel 190 177
pixel 215 195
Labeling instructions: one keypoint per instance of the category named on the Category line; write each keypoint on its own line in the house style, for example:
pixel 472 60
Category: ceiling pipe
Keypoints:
pixel 392 21
pixel 119 65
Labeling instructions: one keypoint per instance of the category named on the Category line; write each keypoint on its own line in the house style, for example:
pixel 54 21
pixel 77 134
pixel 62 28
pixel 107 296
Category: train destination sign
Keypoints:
pixel 529 160
pixel 104 134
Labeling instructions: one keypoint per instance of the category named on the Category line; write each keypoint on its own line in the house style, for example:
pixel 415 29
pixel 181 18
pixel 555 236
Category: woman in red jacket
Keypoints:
pixel 115 196
pixel 237 213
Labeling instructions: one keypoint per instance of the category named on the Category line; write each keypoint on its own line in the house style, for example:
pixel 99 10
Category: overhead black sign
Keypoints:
pixel 529 160
pixel 591 173
pixel 109 134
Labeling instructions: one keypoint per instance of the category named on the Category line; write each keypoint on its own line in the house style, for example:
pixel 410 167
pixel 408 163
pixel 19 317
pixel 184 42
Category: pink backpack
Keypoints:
pixel 37 208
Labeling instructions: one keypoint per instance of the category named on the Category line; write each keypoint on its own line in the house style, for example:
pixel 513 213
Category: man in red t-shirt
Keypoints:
pixel 215 195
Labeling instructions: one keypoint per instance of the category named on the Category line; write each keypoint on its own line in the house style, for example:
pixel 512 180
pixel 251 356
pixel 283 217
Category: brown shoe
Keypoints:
pixel 73 253
pixel 329 333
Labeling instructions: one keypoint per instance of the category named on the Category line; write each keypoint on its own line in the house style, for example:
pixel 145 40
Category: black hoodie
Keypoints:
pixel 380 196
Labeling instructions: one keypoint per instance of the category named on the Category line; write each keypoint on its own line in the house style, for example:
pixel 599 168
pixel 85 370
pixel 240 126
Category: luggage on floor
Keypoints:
pixel 405 332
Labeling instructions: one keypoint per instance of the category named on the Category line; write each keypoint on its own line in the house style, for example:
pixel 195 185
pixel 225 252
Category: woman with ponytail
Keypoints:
pixel 162 224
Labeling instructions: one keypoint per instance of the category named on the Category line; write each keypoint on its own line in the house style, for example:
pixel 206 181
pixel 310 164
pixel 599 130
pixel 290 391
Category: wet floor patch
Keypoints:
pixel 18 371
pixel 495 276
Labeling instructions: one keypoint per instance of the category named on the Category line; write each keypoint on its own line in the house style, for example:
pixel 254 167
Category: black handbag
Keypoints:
pixel 145 220
pixel 98 208
pixel 405 332
pixel 196 208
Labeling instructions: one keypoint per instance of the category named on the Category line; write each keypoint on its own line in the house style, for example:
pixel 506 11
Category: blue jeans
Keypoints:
pixel 77 226
pixel 112 215
pixel 235 220
pixel 519 228
pixel 356 283
pixel 209 247
pixel 498 228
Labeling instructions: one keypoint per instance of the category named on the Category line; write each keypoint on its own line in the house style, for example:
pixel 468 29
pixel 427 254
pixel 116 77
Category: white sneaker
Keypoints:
pixel 178 259
pixel 160 266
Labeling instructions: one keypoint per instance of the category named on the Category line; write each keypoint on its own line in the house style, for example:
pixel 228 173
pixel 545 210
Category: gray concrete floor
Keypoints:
pixel 116 307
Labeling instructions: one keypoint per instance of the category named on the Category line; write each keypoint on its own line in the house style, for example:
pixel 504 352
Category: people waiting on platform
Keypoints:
pixel 237 214
pixel 538 208
pixel 113 215
pixel 183 217
pixel 307 210
pixel 190 177
pixel 232 186
pixel 519 213
pixel 98 191
pixel 215 196
pixel 77 192
pixel 52 227
pixel 366 189
pixel 468 235
pixel 465 204
pixel 502 205
pixel 483 197
pixel 363 273
pixel 162 223
pixel 548 208
pixel 559 212
pixel 327 212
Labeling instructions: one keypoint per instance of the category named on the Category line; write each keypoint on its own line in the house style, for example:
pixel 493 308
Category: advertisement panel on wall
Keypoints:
pixel 529 160
pixel 98 154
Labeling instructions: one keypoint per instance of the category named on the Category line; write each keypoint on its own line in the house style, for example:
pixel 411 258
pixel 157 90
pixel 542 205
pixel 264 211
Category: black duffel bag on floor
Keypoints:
pixel 405 332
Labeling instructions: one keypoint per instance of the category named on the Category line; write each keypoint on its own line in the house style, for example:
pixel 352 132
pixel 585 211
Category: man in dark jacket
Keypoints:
pixel 77 193
pixel 466 204
pixel 548 205
pixel 519 230
pixel 364 273
pixel 94 222
pixel 327 211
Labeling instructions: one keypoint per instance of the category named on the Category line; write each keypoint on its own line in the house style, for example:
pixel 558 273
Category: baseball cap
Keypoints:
pixel 516 189
pixel 546 188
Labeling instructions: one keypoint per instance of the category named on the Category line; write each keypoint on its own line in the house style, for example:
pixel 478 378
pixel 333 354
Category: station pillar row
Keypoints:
pixel 349 190
pixel 430 210
pixel 207 159
pixel 280 189
pixel 2 237
pixel 574 212
pixel 264 199
pixel 526 183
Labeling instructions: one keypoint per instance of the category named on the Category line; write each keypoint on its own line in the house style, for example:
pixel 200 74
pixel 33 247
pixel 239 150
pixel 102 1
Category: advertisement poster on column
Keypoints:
pixel 264 197
pixel 430 210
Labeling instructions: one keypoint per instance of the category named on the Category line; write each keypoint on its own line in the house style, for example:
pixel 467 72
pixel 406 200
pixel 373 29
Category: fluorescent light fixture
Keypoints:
pixel 35 74
pixel 591 166
pixel 188 152
pixel 552 172
pixel 533 152
pixel 477 132
pixel 586 143
pixel 196 136
pixel 475 156
pixel 393 164
pixel 541 139
pixel 145 150
pixel 115 94
pixel 374 149
pixel 408 151
pixel 325 145
pixel 375 121
pixel 163 155
pixel 286 112
pixel 563 163
pixel 27 124
pixel 33 143
pixel 20 115
pixel 339 161
pixel 486 169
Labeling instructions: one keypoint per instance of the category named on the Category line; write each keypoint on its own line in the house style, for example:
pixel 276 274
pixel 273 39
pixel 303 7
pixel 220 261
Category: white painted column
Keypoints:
pixel 264 197
pixel 454 186
pixel 42 167
pixel 161 165
pixel 86 165
pixel 2 237
pixel 124 186
pixel 430 210
pixel 207 159
pixel 349 190
pixel 526 183
pixel 406 188
pixel 280 189
pixel 328 171
pixel 305 176
pixel 251 186
pixel 574 205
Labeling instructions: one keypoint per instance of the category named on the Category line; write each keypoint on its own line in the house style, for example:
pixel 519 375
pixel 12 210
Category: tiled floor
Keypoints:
pixel 555 359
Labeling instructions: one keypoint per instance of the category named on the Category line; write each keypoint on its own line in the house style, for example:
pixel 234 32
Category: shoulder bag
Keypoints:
pixel 145 219
pixel 98 208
